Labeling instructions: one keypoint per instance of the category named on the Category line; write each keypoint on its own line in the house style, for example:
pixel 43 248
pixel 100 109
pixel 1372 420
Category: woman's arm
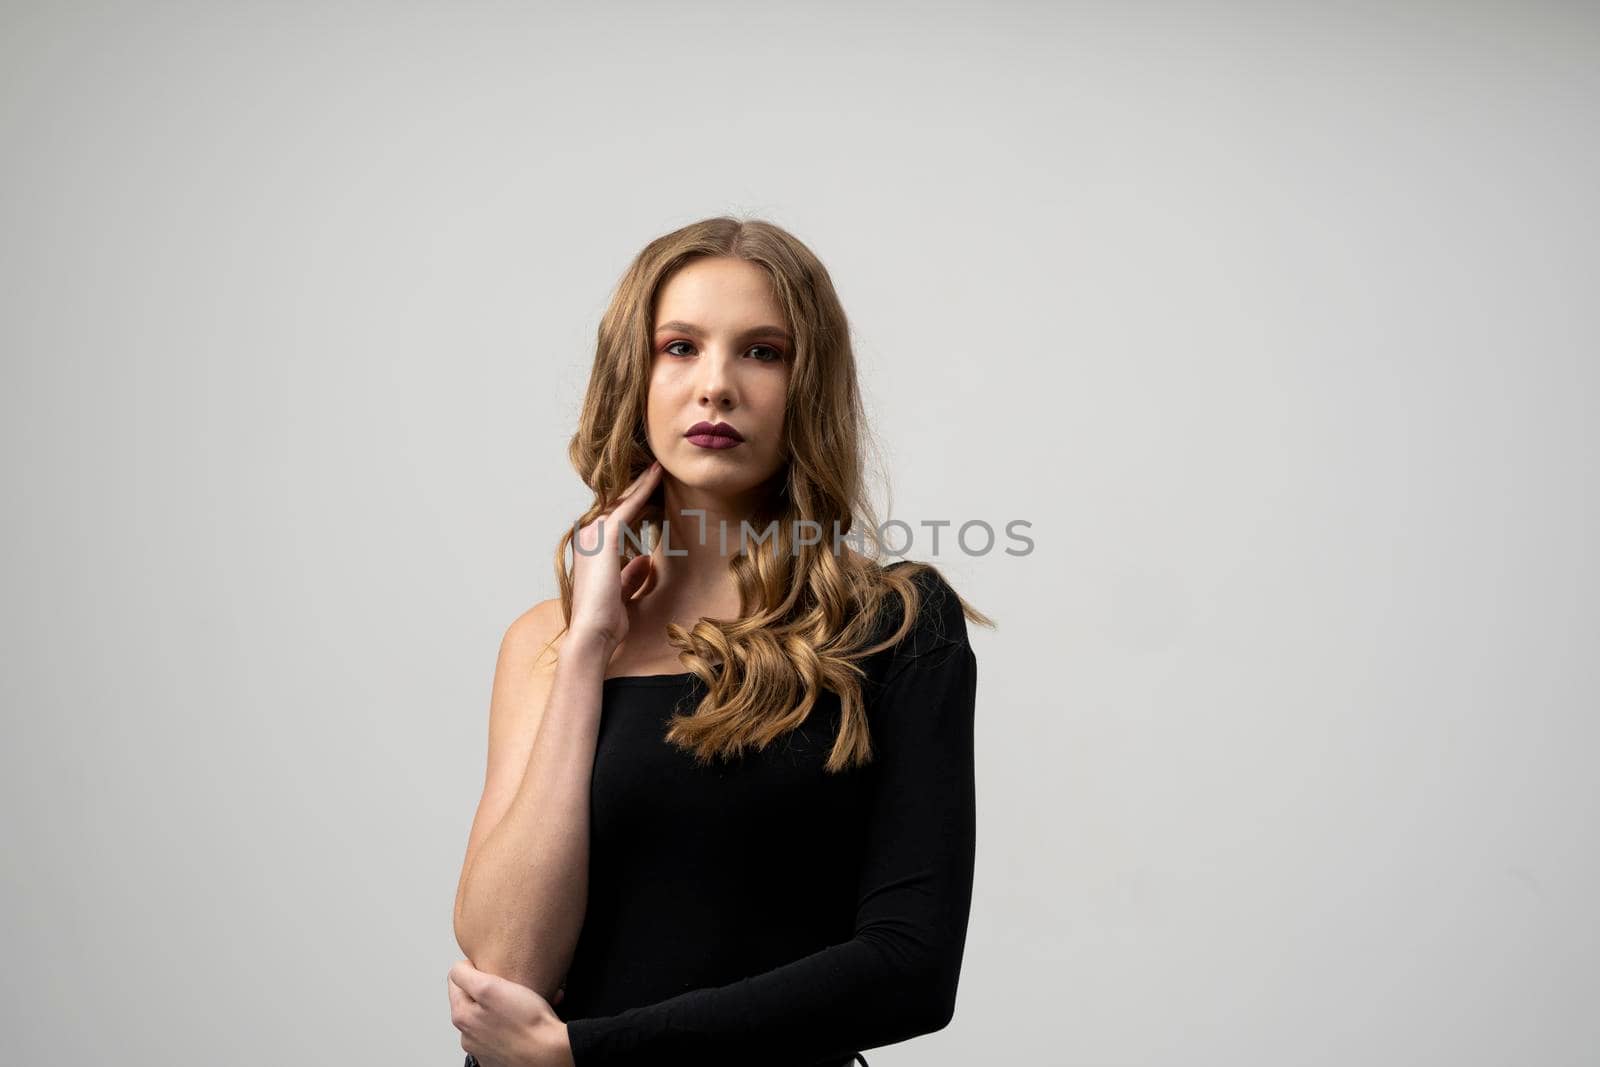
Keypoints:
pixel 896 977
pixel 524 883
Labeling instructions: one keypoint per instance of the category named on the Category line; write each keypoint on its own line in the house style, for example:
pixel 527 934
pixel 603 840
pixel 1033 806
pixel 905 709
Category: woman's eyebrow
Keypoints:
pixel 755 331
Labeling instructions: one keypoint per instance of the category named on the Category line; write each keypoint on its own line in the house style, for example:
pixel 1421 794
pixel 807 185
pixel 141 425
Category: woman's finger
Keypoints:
pixel 629 489
pixel 474 984
pixel 602 530
pixel 632 501
pixel 636 575
pixel 459 972
pixel 654 467
pixel 460 1004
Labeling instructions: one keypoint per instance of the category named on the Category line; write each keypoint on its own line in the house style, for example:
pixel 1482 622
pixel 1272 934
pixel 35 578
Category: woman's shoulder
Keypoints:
pixel 533 638
pixel 940 617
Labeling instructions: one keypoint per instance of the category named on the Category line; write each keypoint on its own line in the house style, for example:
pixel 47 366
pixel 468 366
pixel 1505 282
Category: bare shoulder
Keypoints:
pixel 534 637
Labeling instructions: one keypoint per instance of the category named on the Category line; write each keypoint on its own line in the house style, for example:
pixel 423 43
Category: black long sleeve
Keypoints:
pixel 897 976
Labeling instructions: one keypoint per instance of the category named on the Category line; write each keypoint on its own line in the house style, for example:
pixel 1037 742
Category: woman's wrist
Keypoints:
pixel 560 1046
pixel 585 649
pixel 589 637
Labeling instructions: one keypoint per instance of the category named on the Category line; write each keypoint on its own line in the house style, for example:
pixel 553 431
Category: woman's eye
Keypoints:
pixel 770 354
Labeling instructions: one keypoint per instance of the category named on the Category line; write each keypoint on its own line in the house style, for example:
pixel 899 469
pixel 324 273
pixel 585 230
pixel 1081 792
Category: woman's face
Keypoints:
pixel 721 355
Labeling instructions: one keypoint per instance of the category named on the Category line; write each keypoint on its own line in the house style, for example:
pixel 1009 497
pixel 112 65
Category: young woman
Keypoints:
pixel 728 816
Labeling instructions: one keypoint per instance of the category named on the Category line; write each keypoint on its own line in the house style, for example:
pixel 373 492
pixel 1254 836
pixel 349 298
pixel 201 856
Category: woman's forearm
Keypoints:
pixel 522 904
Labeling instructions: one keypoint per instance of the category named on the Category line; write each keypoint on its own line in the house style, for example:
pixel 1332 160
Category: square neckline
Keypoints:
pixel 648 679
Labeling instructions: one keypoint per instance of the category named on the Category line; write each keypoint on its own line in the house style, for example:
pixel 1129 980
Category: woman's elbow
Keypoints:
pixel 939 1002
pixel 928 998
pixel 915 982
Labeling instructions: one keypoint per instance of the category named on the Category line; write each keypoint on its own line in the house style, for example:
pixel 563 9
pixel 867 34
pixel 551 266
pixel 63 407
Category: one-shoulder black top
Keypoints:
pixel 763 911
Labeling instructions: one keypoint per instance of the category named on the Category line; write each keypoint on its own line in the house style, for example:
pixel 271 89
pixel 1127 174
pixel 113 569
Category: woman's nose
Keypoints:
pixel 722 399
pixel 717 384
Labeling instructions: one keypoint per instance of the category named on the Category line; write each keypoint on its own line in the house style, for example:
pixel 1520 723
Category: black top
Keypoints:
pixel 764 911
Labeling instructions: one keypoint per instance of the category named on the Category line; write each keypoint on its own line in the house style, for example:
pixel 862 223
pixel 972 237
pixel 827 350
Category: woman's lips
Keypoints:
pixel 714 440
pixel 709 434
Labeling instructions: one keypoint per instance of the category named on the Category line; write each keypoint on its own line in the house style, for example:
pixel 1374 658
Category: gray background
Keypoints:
pixel 1282 317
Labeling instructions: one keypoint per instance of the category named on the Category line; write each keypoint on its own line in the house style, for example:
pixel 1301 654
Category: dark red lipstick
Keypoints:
pixel 714 435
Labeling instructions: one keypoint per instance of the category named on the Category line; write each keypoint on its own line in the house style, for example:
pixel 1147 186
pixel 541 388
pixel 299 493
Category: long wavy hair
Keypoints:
pixel 808 614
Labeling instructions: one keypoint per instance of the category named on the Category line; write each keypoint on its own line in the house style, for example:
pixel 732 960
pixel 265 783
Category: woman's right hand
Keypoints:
pixel 601 585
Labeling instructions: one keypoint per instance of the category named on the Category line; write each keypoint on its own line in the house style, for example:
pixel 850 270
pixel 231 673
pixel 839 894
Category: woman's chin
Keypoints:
pixel 729 483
